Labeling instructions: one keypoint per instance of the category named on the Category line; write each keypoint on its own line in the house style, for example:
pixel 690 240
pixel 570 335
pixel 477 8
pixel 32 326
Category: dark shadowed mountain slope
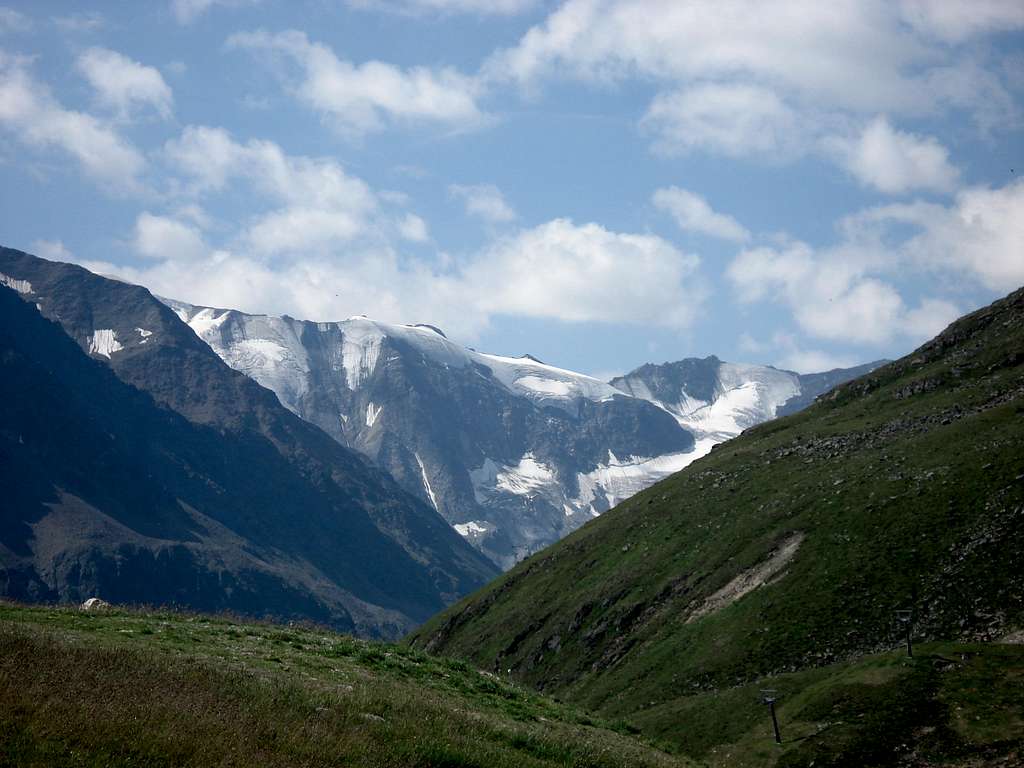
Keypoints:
pixel 274 481
pixel 787 548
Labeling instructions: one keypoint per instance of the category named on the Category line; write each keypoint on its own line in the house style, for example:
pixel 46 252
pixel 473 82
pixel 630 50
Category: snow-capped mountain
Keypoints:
pixel 513 452
pixel 716 400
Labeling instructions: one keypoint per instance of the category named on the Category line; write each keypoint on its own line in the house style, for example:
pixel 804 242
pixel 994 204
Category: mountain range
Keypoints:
pixel 141 468
pixel 513 452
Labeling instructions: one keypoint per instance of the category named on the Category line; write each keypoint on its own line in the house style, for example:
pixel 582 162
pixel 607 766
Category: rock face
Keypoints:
pixel 514 453
pixel 717 400
pixel 137 465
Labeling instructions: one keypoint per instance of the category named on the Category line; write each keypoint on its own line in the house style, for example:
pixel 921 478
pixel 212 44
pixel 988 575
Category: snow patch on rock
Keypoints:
pixel 373 413
pixel 613 482
pixel 473 528
pixel 360 347
pixel 21 286
pixel 104 342
pixel 426 482
pixel 745 395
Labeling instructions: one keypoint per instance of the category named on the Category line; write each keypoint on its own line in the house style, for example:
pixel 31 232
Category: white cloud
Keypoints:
pixel 957 20
pixel 557 271
pixel 413 229
pixel 162 238
pixel 479 7
pixel 30 112
pixel 693 214
pixel 587 273
pixel 123 84
pixel 814 361
pixel 845 292
pixel 849 54
pixel 320 204
pixel 359 98
pixel 931 317
pixel 13 21
pixel 895 162
pixel 187 11
pixel 980 235
pixel 735 120
pixel 833 296
pixel 484 201
pixel 802 360
pixel 54 250
pixel 753 78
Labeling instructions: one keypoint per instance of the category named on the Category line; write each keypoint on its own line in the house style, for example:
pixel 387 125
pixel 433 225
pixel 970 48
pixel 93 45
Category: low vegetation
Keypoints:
pixel 138 688
pixel 952 704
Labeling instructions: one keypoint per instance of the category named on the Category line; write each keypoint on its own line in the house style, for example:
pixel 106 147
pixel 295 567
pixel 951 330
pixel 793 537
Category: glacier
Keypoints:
pixel 513 452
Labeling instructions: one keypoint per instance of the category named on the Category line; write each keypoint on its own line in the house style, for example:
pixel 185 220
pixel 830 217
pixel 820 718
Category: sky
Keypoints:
pixel 599 183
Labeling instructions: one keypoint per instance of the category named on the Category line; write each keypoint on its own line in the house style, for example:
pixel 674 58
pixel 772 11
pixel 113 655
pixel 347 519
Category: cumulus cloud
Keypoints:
pixel 562 271
pixel 37 119
pixel 326 248
pixel 160 237
pixel 730 119
pixel 556 271
pixel 693 214
pixel 485 201
pixel 752 78
pixel 850 54
pixel 895 162
pixel 831 296
pixel 123 84
pixel 320 205
pixel 359 98
pixel 844 292
pixel 980 235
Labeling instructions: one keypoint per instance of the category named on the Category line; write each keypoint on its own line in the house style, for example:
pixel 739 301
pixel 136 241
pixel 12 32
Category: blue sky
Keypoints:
pixel 600 183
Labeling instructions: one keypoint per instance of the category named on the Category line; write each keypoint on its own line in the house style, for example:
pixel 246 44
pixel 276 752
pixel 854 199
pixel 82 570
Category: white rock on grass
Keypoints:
pixel 94 604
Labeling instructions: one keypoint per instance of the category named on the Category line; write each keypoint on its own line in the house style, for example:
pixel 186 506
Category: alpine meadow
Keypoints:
pixel 482 383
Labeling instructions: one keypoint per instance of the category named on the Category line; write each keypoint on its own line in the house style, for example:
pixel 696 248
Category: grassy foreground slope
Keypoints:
pixel 153 689
pixel 787 549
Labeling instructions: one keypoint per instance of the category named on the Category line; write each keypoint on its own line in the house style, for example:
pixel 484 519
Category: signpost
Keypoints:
pixel 906 618
pixel 769 696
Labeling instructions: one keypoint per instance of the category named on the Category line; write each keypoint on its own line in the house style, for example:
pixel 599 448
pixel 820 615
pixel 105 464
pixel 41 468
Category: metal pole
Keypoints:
pixel 910 647
pixel 775 722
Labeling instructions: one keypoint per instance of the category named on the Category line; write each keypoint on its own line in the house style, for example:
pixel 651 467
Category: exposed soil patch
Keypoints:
pixel 750 579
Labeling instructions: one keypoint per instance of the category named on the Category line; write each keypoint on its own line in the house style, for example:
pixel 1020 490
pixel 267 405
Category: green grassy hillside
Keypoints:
pixel 787 549
pixel 157 689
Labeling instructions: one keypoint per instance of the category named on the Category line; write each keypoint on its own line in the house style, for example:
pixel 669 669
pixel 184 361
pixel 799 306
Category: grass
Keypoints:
pixel 908 486
pixel 952 704
pixel 131 688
